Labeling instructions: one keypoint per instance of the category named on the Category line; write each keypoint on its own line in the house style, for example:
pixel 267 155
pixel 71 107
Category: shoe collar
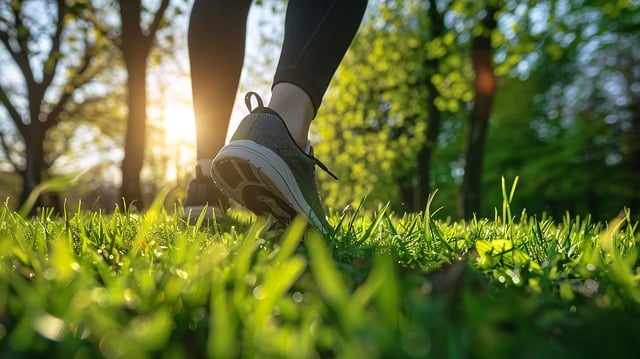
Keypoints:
pixel 262 109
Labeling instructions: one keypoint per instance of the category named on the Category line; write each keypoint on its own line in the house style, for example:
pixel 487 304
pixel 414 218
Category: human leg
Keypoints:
pixel 268 166
pixel 216 39
pixel 317 35
pixel 217 30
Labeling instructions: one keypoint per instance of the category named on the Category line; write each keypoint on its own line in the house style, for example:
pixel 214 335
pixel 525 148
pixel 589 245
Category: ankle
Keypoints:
pixel 295 108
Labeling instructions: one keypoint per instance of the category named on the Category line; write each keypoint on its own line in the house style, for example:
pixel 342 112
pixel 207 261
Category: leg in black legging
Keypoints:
pixel 317 35
pixel 217 30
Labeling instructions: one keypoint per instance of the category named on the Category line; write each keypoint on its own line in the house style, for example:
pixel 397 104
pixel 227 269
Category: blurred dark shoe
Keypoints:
pixel 202 195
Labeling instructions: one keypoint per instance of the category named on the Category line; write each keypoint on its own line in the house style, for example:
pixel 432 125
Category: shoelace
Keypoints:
pixel 247 101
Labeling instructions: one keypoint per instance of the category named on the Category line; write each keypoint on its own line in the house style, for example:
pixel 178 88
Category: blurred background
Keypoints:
pixel 433 95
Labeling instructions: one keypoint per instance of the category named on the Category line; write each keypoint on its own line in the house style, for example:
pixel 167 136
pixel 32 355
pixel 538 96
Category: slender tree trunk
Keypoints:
pixel 433 128
pixel 35 165
pixel 33 135
pixel 415 193
pixel 34 161
pixel 485 85
pixel 135 50
pixel 423 186
pixel 135 47
pixel 131 190
pixel 632 144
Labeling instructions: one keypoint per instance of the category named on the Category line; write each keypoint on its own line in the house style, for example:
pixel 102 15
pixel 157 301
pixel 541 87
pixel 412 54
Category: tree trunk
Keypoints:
pixel 43 114
pixel 485 85
pixel 415 196
pixel 474 143
pixel 131 190
pixel 423 186
pixel 34 135
pixel 34 161
pixel 135 50
pixel 632 144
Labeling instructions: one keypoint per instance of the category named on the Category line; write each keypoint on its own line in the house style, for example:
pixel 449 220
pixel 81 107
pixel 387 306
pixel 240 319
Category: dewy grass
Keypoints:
pixel 126 285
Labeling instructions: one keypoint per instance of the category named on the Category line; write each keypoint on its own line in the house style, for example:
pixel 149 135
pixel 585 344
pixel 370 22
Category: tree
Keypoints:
pixel 403 79
pixel 135 44
pixel 54 55
pixel 374 117
pixel 485 84
pixel 135 34
pixel 564 121
pixel 415 195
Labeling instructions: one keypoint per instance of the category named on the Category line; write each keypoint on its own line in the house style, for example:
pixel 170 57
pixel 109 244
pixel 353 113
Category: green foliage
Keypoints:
pixel 559 126
pixel 88 284
pixel 374 119
pixel 564 120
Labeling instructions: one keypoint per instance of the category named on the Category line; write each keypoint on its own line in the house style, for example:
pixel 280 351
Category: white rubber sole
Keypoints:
pixel 259 179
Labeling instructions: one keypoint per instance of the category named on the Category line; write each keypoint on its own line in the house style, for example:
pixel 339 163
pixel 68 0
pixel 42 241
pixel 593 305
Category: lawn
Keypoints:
pixel 84 284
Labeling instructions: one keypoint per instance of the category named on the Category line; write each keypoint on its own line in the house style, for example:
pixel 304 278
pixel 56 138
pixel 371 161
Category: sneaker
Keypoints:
pixel 264 169
pixel 204 194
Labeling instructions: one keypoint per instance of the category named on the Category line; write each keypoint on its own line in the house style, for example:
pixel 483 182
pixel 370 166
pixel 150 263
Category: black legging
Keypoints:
pixel 317 33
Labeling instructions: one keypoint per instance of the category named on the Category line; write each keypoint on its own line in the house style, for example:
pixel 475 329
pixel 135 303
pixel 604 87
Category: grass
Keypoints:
pixel 124 285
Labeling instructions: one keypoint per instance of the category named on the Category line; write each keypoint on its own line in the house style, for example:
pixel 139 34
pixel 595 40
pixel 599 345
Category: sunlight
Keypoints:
pixel 175 145
pixel 172 130
pixel 178 123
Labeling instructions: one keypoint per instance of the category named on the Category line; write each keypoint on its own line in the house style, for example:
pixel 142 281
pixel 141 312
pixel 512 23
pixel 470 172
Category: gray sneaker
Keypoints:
pixel 264 169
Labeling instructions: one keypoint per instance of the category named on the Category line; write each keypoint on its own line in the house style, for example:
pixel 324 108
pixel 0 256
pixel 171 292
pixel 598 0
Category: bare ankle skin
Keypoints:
pixel 296 109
